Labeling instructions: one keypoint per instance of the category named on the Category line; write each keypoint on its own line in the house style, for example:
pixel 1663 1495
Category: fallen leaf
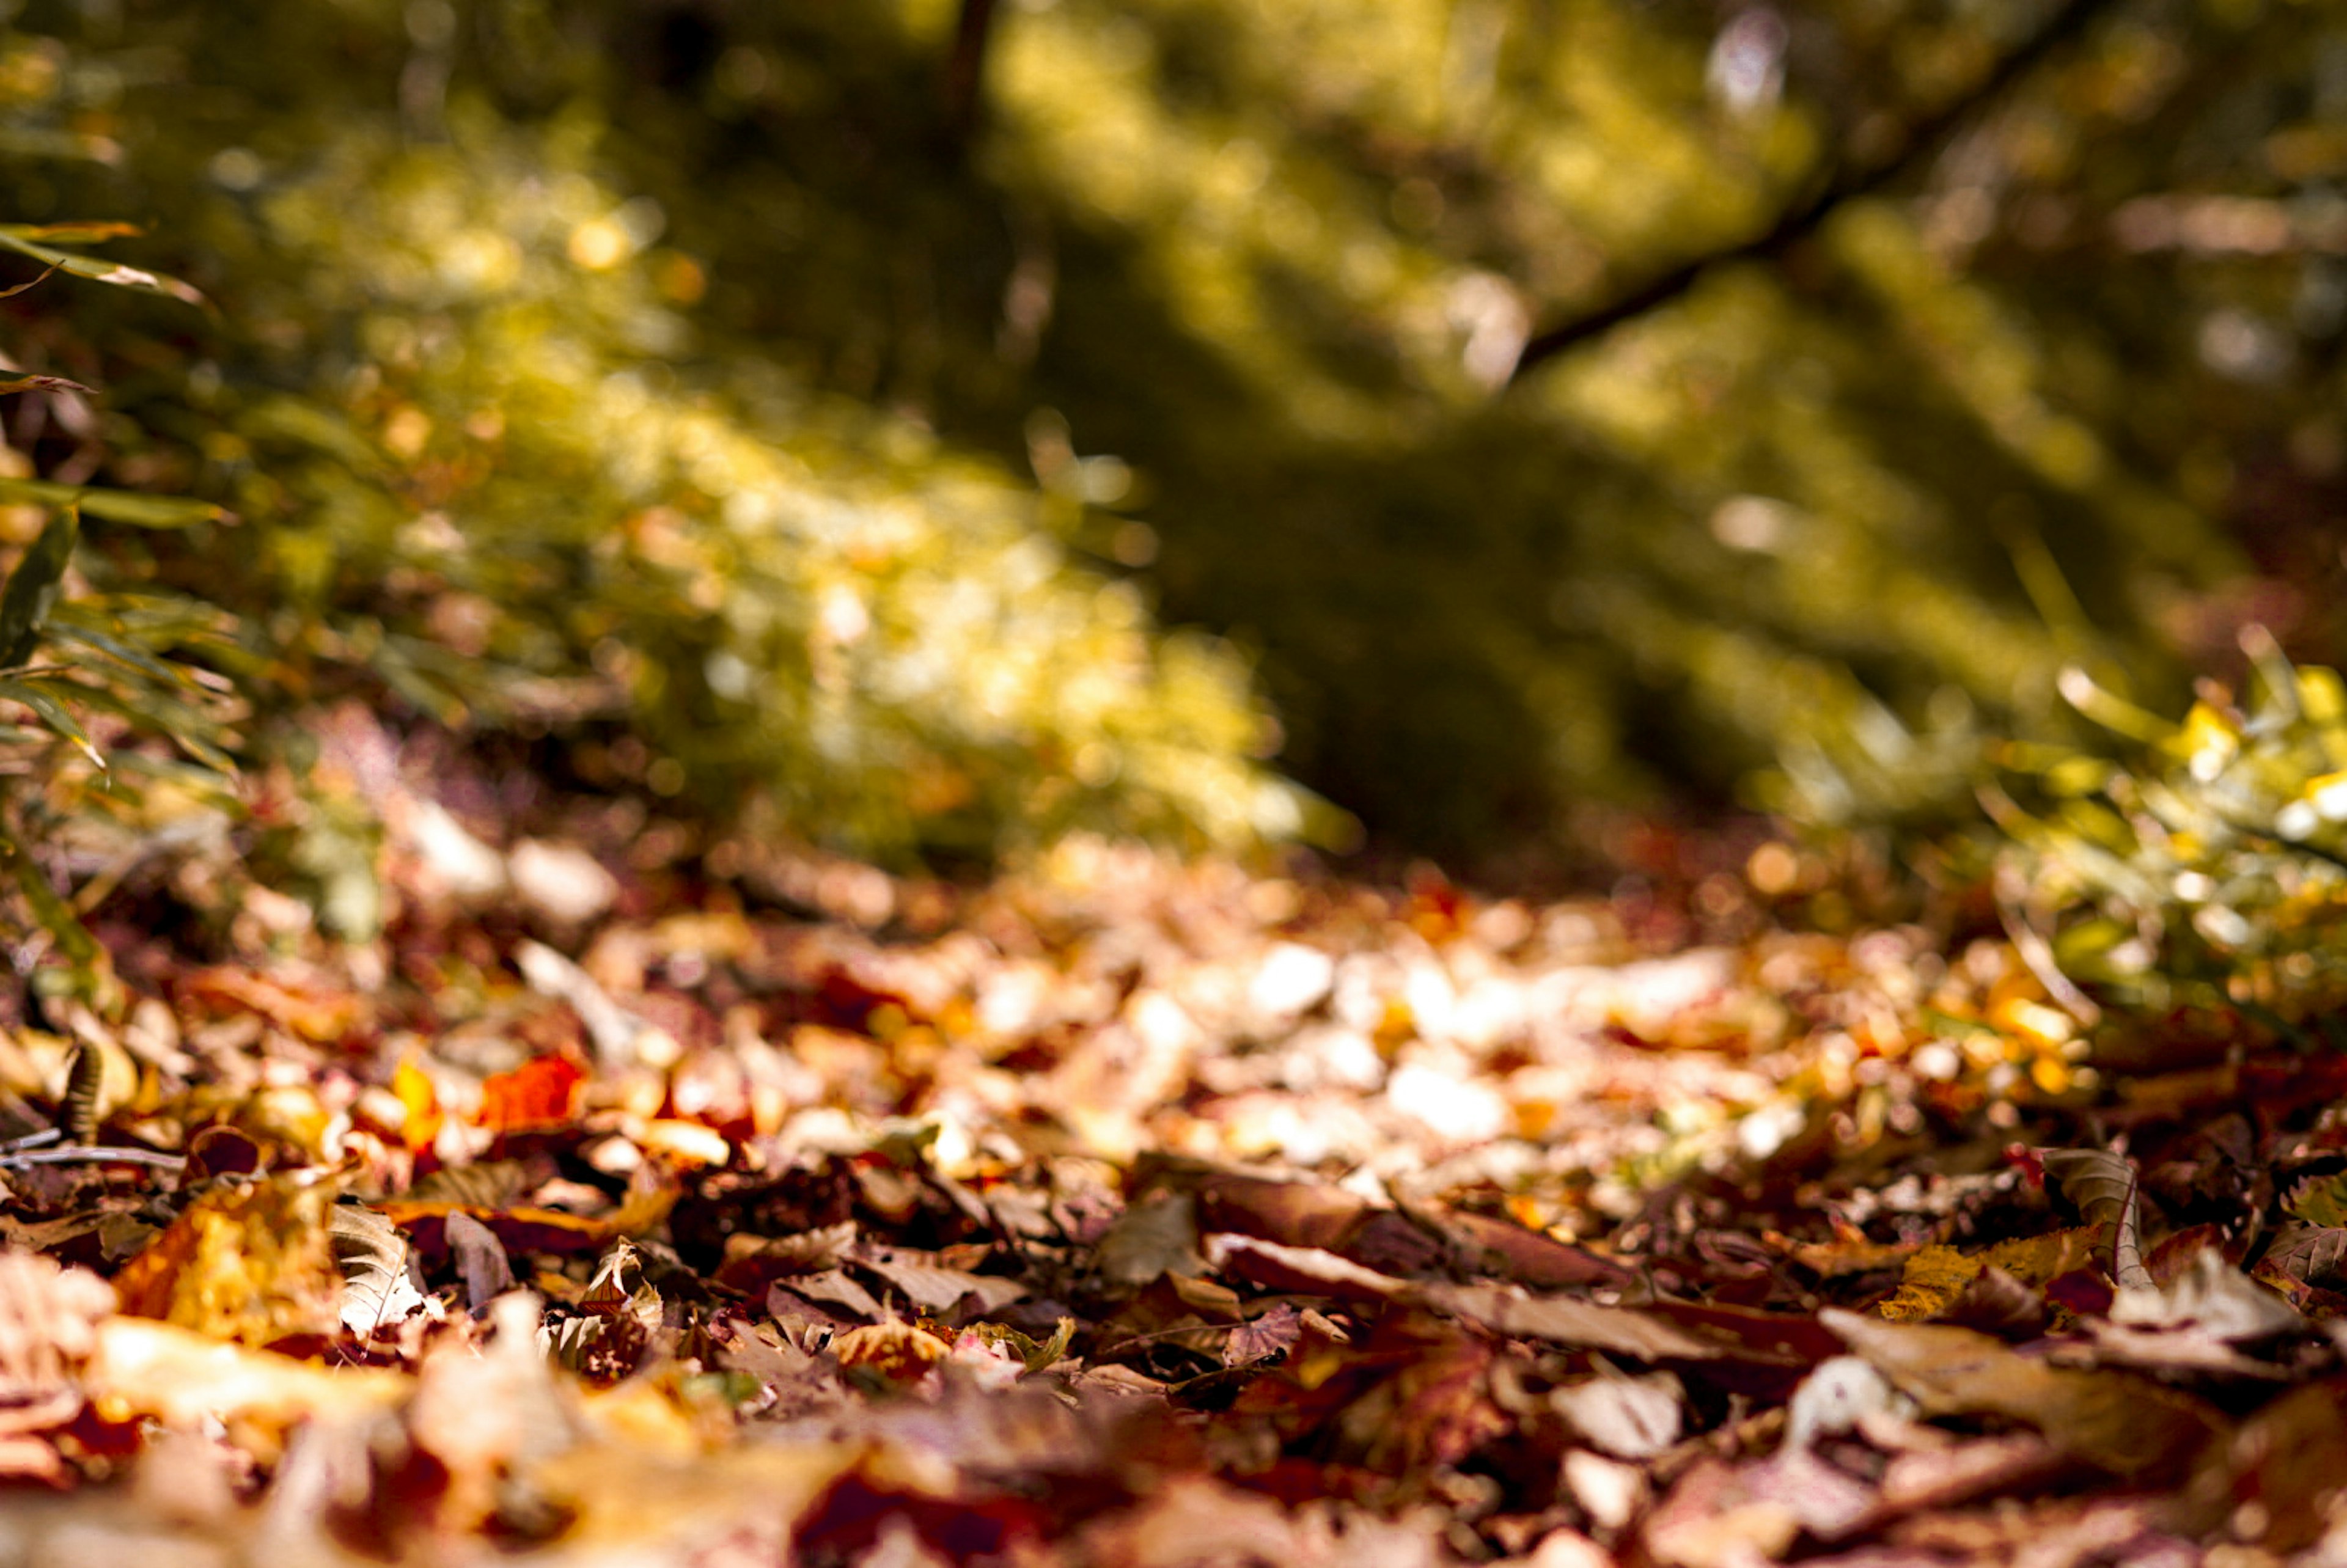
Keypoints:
pixel 316 1012
pixel 254 1264
pixel 2124 1424
pixel 1565 1320
pixel 481 1261
pixel 542 1092
pixel 1628 1418
pixel 181 1377
pixel 935 1288
pixel 376 1261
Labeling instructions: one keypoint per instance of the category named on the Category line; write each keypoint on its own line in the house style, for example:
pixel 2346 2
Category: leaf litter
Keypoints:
pixel 719 1204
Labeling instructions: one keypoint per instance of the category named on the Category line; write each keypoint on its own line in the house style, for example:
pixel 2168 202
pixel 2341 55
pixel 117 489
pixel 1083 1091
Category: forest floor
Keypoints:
pixel 634 1200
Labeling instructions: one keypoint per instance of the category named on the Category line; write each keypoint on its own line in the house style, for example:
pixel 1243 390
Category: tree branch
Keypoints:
pixel 966 67
pixel 1920 141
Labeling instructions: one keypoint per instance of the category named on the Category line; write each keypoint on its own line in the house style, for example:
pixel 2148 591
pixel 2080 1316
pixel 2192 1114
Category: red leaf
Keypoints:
pixel 540 1093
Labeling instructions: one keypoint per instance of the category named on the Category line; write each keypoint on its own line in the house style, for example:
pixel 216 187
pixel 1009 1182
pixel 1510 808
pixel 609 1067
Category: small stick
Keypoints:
pixel 94 1153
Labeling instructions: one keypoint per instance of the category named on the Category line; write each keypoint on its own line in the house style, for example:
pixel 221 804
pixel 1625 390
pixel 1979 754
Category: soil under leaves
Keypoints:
pixel 637 1199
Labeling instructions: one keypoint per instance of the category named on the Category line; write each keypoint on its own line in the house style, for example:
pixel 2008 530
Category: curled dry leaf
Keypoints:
pixel 2213 1298
pixel 897 1353
pixel 481 1261
pixel 1299 1268
pixel 2108 1193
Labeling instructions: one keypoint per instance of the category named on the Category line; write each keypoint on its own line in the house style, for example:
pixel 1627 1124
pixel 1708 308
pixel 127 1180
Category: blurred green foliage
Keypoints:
pixel 132 720
pixel 673 365
pixel 471 445
pixel 2209 871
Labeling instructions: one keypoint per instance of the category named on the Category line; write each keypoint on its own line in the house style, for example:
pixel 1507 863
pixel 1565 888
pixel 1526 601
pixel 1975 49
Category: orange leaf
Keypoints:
pixel 253 1263
pixel 318 1013
pixel 540 1093
pixel 898 1352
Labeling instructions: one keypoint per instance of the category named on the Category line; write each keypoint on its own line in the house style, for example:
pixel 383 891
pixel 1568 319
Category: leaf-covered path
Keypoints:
pixel 627 1204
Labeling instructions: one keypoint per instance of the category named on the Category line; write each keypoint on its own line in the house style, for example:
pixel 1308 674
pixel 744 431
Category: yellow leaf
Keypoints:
pixel 1932 1279
pixel 253 1263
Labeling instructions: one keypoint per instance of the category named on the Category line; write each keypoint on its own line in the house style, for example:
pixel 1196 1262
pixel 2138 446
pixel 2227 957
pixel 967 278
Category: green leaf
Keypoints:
pixel 157 711
pixel 52 713
pixel 85 233
pixel 24 240
pixel 54 913
pixel 113 647
pixel 2320 1201
pixel 135 507
pixel 33 587
pixel 40 383
pixel 27 141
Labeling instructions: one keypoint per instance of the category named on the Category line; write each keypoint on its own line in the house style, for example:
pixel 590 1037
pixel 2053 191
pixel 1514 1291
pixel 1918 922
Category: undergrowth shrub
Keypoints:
pixel 468 449
pixel 2205 866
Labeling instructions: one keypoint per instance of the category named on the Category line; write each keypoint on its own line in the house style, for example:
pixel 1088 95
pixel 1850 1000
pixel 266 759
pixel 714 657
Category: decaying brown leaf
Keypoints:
pixel 2124 1424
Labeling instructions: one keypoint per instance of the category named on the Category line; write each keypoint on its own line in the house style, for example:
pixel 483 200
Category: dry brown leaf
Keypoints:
pixel 1267 1334
pixel 481 1261
pixel 841 1289
pixel 896 1352
pixel 1300 1268
pixel 2106 1190
pixel 2124 1424
pixel 1567 1320
pixel 376 1261
pixel 932 1287
pixel 1528 1257
pixel 2311 1254
pixel 1157 1235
